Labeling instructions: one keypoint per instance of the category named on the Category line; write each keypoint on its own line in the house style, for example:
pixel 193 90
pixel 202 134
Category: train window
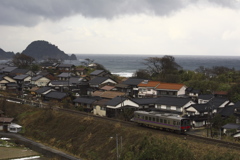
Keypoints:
pixel 153 119
pixel 174 123
pixel 165 121
pixel 157 119
pixel 161 120
pixel 168 121
pixel 150 118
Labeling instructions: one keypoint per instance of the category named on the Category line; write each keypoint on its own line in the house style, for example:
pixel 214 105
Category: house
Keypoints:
pixel 19 71
pixel 123 88
pixel 65 76
pixel 8 70
pixel 193 93
pixel 48 65
pixel 145 103
pixel 171 89
pixel 43 91
pixel 14 128
pixel 174 105
pixel 46 74
pixel 23 78
pixel 4 80
pixel 204 98
pixel 107 94
pixel 97 82
pixel 86 104
pixel 121 107
pixel 80 71
pixel 59 85
pixel 66 67
pixel 147 88
pixel 55 95
pixel 40 81
pixel 100 107
pixel 231 128
pixel 107 88
pixel 198 113
pixel 133 86
pixel 4 123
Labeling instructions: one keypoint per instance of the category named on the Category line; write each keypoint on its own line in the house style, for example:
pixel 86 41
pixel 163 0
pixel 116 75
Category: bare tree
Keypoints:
pixel 22 60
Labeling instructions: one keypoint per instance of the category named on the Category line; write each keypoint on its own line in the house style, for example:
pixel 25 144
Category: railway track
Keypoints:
pixel 188 137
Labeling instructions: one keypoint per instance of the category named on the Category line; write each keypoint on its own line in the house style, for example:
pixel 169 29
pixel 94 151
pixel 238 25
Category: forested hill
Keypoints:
pixel 5 55
pixel 42 50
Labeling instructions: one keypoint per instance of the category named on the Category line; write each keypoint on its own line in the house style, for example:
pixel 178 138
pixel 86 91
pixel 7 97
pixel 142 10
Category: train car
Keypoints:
pixel 162 121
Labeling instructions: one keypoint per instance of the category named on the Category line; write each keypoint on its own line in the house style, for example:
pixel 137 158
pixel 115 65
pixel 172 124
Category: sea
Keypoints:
pixel 126 64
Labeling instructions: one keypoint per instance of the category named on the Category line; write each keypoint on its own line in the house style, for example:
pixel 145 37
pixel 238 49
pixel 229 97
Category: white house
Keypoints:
pixel 147 88
pixel 40 80
pixel 171 89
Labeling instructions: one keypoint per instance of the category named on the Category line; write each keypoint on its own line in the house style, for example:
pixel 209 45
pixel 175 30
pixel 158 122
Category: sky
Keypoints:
pixel 160 27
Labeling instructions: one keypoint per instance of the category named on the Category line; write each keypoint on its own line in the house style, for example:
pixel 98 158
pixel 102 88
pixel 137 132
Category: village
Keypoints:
pixel 98 93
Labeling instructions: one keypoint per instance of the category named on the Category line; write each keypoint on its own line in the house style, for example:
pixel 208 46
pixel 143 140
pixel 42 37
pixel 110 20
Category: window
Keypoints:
pixel 161 120
pixel 157 119
pixel 153 119
pixel 174 123
pixel 165 121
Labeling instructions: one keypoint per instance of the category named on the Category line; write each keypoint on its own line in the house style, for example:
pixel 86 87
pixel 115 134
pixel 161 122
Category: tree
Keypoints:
pixel 87 62
pixel 142 73
pixel 22 60
pixel 234 93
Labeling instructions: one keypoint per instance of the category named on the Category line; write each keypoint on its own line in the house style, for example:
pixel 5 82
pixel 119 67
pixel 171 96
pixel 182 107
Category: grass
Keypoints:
pixel 89 138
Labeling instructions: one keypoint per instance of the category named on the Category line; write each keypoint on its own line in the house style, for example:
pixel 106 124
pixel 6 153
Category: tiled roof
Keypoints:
pixel 107 88
pixel 149 84
pixel 102 102
pixel 145 101
pixel 42 90
pixel 56 95
pixel 173 101
pixel 18 70
pixel 231 126
pixel 201 107
pixel 108 94
pixel 169 86
pixel 205 96
pixel 5 119
pixel 8 69
pixel 36 78
pixel 21 77
pixel 98 80
pixel 96 72
pixel 65 75
pixel 115 101
pixel 133 81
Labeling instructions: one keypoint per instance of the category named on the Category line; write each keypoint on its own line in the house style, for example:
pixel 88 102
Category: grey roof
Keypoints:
pixel 12 84
pixel 121 85
pixel 37 77
pixel 18 70
pixel 231 126
pixel 133 81
pixel 98 80
pixel 205 96
pixel 96 72
pixel 3 66
pixel 65 75
pixel 145 101
pixel 75 80
pixel 42 90
pixel 227 111
pixel 21 77
pixel 217 101
pixel 173 101
pixel 2 76
pixel 115 101
pixel 84 100
pixel 59 83
pixel 56 95
pixel 201 107
pixel 8 69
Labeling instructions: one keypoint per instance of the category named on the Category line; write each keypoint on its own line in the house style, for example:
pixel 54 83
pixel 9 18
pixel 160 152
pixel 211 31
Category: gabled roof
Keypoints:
pixel 98 80
pixel 65 75
pixel 96 72
pixel 59 83
pixel 147 83
pixel 36 78
pixel 200 107
pixel 218 101
pixel 227 111
pixel 231 126
pixel 145 101
pixel 42 90
pixel 6 120
pixel 121 85
pixel 84 100
pixel 133 81
pixel 102 102
pixel 173 101
pixel 20 71
pixel 115 101
pixel 108 94
pixel 56 95
pixel 8 69
pixel 107 88
pixel 21 77
pixel 170 86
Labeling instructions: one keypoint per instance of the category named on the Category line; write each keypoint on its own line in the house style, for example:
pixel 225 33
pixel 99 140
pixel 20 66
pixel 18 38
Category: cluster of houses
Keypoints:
pixel 101 95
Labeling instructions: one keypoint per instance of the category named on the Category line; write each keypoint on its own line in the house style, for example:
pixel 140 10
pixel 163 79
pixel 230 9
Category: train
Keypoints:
pixel 163 121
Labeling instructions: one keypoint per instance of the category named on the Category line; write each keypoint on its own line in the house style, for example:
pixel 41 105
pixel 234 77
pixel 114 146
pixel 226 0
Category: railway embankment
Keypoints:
pixel 86 137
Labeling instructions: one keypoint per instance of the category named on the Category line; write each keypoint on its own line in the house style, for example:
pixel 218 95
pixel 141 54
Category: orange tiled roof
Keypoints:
pixel 149 84
pixel 171 86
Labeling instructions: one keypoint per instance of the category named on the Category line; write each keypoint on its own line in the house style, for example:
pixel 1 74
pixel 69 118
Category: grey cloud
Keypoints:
pixel 31 12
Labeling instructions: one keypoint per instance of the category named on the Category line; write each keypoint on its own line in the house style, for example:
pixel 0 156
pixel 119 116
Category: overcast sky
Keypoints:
pixel 164 27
